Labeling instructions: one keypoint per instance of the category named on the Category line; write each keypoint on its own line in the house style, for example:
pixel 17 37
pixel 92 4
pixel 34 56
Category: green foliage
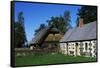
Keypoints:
pixel 19 32
pixel 88 13
pixel 67 18
pixel 62 23
pixel 42 26
pixel 59 23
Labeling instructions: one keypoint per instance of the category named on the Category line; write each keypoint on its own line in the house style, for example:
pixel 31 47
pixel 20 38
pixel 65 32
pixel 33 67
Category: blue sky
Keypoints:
pixel 38 13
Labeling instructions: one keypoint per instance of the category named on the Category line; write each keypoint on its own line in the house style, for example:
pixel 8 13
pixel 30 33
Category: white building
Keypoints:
pixel 80 41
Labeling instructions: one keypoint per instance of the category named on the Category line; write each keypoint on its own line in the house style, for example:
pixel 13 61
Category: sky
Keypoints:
pixel 38 13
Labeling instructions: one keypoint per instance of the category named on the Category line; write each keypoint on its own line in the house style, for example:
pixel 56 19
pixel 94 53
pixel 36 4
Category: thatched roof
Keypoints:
pixel 42 34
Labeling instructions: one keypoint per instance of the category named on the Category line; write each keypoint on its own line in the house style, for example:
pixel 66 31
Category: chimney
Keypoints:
pixel 80 24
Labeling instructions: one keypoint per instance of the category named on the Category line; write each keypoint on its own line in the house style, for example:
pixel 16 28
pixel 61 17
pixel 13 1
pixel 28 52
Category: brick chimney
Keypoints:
pixel 80 24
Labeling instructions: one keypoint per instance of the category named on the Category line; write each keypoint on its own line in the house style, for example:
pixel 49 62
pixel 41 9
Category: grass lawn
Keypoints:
pixel 50 59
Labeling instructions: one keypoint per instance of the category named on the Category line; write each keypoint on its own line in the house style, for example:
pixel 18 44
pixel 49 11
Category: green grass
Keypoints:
pixel 50 59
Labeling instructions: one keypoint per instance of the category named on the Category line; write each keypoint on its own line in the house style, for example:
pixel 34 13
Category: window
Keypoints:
pixel 90 49
pixel 90 43
pixel 94 42
pixel 94 52
pixel 86 47
pixel 93 46
pixel 71 52
pixel 90 54
pixel 76 44
pixel 67 44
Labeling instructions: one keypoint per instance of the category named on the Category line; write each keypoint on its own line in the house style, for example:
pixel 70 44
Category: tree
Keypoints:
pixel 18 38
pixel 88 13
pixel 21 19
pixel 19 31
pixel 42 26
pixel 57 22
pixel 67 19
pixel 62 23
